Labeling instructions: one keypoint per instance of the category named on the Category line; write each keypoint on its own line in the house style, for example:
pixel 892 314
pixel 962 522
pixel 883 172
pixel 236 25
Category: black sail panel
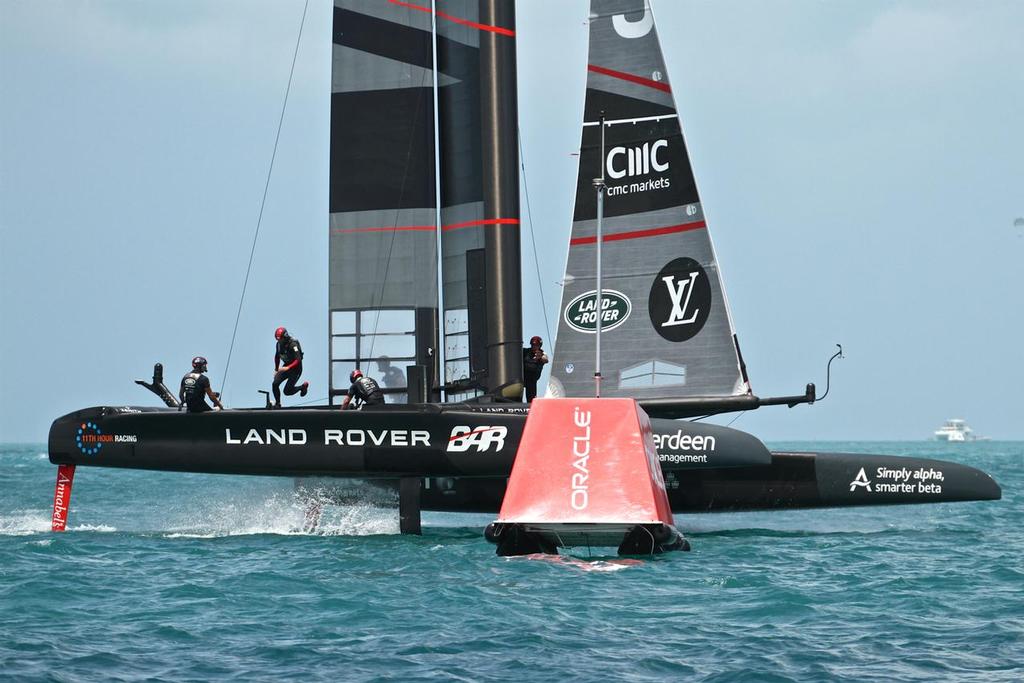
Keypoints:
pixel 383 228
pixel 478 162
pixel 666 327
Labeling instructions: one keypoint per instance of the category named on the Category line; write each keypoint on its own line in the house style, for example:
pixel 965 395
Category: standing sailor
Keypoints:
pixel 195 387
pixel 287 366
pixel 364 390
pixel 534 359
pixel 392 377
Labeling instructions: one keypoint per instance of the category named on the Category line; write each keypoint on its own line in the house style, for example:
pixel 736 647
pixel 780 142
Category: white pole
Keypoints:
pixel 598 295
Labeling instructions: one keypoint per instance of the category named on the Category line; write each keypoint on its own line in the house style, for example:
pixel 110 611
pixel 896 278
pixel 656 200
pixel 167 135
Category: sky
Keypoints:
pixel 861 164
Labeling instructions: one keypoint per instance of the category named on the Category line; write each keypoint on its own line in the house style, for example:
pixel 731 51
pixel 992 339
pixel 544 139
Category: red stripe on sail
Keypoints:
pixel 457 20
pixel 622 75
pixel 397 228
pixel 485 221
pixel 637 234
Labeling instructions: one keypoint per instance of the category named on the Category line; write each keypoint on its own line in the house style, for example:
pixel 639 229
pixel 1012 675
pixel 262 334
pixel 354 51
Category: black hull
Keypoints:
pixel 792 481
pixel 465 452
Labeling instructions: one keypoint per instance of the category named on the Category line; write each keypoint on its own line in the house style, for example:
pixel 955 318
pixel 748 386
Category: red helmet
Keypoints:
pixel 280 332
pixel 536 340
pixel 354 375
pixel 199 364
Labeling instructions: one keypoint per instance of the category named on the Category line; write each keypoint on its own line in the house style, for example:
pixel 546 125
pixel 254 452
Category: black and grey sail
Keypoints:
pixel 478 146
pixel 666 326
pixel 383 227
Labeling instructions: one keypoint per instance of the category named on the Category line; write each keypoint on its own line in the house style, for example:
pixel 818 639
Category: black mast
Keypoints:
pixel 479 161
pixel 499 116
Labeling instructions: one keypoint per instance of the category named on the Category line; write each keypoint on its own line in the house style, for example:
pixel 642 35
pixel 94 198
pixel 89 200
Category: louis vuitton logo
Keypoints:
pixel 677 289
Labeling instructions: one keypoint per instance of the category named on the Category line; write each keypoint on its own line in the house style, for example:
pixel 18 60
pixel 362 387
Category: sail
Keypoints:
pixel 478 147
pixel 383 227
pixel 666 327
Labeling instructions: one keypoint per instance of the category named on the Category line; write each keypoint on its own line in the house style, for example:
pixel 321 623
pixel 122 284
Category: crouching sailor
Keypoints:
pixel 364 390
pixel 195 387
pixel 288 355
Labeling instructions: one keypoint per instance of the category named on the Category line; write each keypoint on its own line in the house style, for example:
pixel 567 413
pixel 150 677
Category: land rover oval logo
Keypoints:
pixel 581 315
pixel 680 300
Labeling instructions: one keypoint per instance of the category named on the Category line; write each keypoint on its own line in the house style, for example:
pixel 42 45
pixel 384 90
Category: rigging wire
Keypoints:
pixel 263 202
pixel 533 239
pixel 738 416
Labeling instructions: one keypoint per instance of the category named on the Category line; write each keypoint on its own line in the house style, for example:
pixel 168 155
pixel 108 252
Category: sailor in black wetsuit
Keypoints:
pixel 287 366
pixel 534 359
pixel 195 386
pixel 364 390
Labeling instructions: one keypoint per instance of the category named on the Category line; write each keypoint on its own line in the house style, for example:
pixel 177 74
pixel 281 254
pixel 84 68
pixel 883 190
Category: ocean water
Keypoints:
pixel 174 577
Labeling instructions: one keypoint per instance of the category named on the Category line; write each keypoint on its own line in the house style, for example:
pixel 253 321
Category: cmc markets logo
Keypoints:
pixel 464 438
pixel 581 313
pixel 680 300
pixel 634 161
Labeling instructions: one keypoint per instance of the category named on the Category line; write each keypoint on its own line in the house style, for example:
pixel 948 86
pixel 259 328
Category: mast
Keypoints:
pixel 479 162
pixel 499 114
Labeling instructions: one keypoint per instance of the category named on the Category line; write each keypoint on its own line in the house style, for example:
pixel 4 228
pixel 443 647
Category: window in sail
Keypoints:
pixel 381 343
pixel 655 373
pixel 456 353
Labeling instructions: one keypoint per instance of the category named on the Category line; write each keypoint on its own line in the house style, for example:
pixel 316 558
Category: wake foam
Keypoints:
pixel 24 523
pixel 348 510
pixel 579 564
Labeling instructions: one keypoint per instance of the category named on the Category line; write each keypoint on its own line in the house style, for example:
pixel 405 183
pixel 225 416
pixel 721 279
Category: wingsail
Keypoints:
pixel 666 326
pixel 383 227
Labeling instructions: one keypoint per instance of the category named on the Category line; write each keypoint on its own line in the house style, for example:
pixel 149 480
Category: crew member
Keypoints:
pixel 392 377
pixel 364 390
pixel 195 387
pixel 287 366
pixel 534 359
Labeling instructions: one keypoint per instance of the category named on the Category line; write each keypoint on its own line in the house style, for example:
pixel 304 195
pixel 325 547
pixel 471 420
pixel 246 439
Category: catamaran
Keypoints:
pixel 452 359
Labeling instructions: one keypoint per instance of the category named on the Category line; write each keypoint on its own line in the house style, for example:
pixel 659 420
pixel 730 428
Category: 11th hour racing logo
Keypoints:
pixel 680 300
pixel 89 438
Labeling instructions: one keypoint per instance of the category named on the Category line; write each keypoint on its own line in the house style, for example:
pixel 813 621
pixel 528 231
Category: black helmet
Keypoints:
pixel 199 364
pixel 536 340
pixel 354 375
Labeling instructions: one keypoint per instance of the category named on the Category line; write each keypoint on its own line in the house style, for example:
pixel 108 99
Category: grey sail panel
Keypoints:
pixel 478 148
pixel 666 327
pixel 383 227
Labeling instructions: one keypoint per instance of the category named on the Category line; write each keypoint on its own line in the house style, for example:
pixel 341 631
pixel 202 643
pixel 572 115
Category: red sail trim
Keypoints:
pixel 636 234
pixel 457 20
pixel 397 228
pixel 664 87
pixel 485 221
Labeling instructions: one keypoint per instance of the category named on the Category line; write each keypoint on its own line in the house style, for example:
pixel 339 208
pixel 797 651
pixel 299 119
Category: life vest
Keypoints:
pixel 367 390
pixel 288 350
pixel 190 388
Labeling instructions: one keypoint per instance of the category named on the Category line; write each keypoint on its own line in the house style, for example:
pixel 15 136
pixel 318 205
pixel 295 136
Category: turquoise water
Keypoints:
pixel 191 577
